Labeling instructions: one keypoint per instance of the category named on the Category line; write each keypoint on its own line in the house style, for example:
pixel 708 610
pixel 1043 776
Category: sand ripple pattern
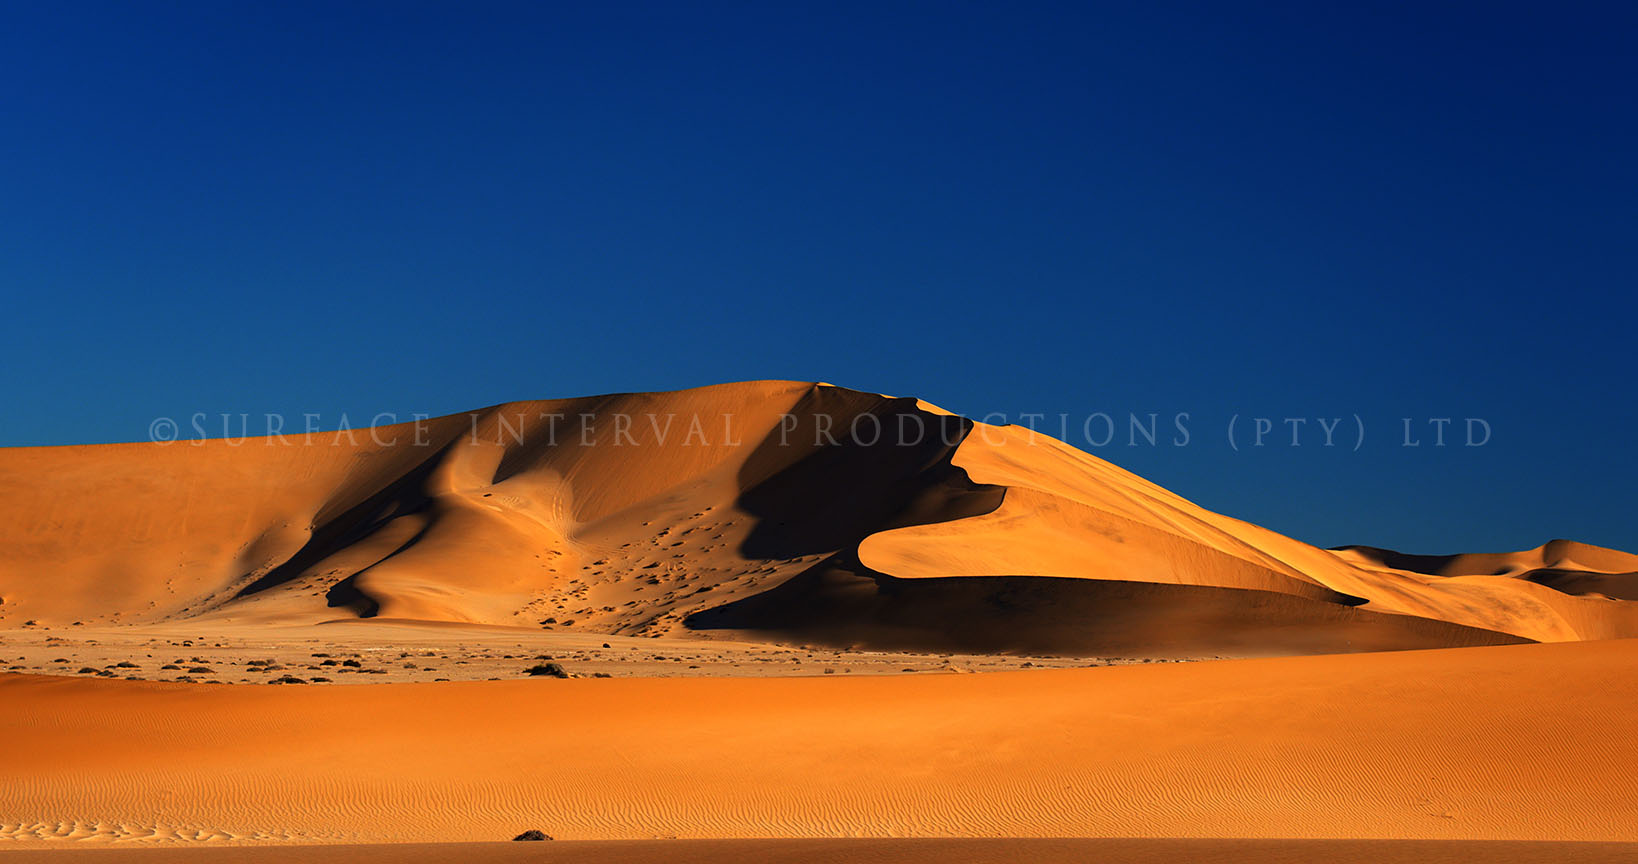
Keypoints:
pixel 1513 742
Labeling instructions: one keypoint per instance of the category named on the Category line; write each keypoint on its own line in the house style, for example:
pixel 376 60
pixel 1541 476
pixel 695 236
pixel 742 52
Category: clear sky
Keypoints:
pixel 345 208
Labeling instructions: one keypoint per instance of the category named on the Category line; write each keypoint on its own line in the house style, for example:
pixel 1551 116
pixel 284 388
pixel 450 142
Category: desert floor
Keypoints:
pixel 897 851
pixel 377 652
pixel 1511 743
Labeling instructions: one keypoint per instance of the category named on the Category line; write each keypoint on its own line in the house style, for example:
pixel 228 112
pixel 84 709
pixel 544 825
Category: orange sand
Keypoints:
pixel 758 511
pixel 868 851
pixel 717 525
pixel 1512 742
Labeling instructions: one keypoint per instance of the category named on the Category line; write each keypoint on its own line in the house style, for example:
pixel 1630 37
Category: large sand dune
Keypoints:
pixel 764 510
pixel 674 513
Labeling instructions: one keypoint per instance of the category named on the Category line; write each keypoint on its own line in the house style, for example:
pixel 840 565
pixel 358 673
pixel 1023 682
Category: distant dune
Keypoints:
pixel 1563 565
pixel 764 511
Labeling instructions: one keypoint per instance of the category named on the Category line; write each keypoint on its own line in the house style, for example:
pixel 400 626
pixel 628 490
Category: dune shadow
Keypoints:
pixel 1429 565
pixel 842 604
pixel 845 467
pixel 404 496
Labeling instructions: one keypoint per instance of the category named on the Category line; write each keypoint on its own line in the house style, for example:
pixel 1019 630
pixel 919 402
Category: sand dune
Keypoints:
pixel 762 510
pixel 1497 743
pixel 743 538
pixel 1563 565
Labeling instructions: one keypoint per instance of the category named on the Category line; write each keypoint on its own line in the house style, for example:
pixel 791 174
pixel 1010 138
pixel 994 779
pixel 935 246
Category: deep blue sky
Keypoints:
pixel 279 207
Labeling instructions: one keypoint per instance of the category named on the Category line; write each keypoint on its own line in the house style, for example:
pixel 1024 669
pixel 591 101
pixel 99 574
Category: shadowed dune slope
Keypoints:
pixel 1521 742
pixel 780 510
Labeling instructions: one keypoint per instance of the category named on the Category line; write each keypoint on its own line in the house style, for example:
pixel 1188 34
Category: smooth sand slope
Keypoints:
pixel 777 511
pixel 1509 742
pixel 877 851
